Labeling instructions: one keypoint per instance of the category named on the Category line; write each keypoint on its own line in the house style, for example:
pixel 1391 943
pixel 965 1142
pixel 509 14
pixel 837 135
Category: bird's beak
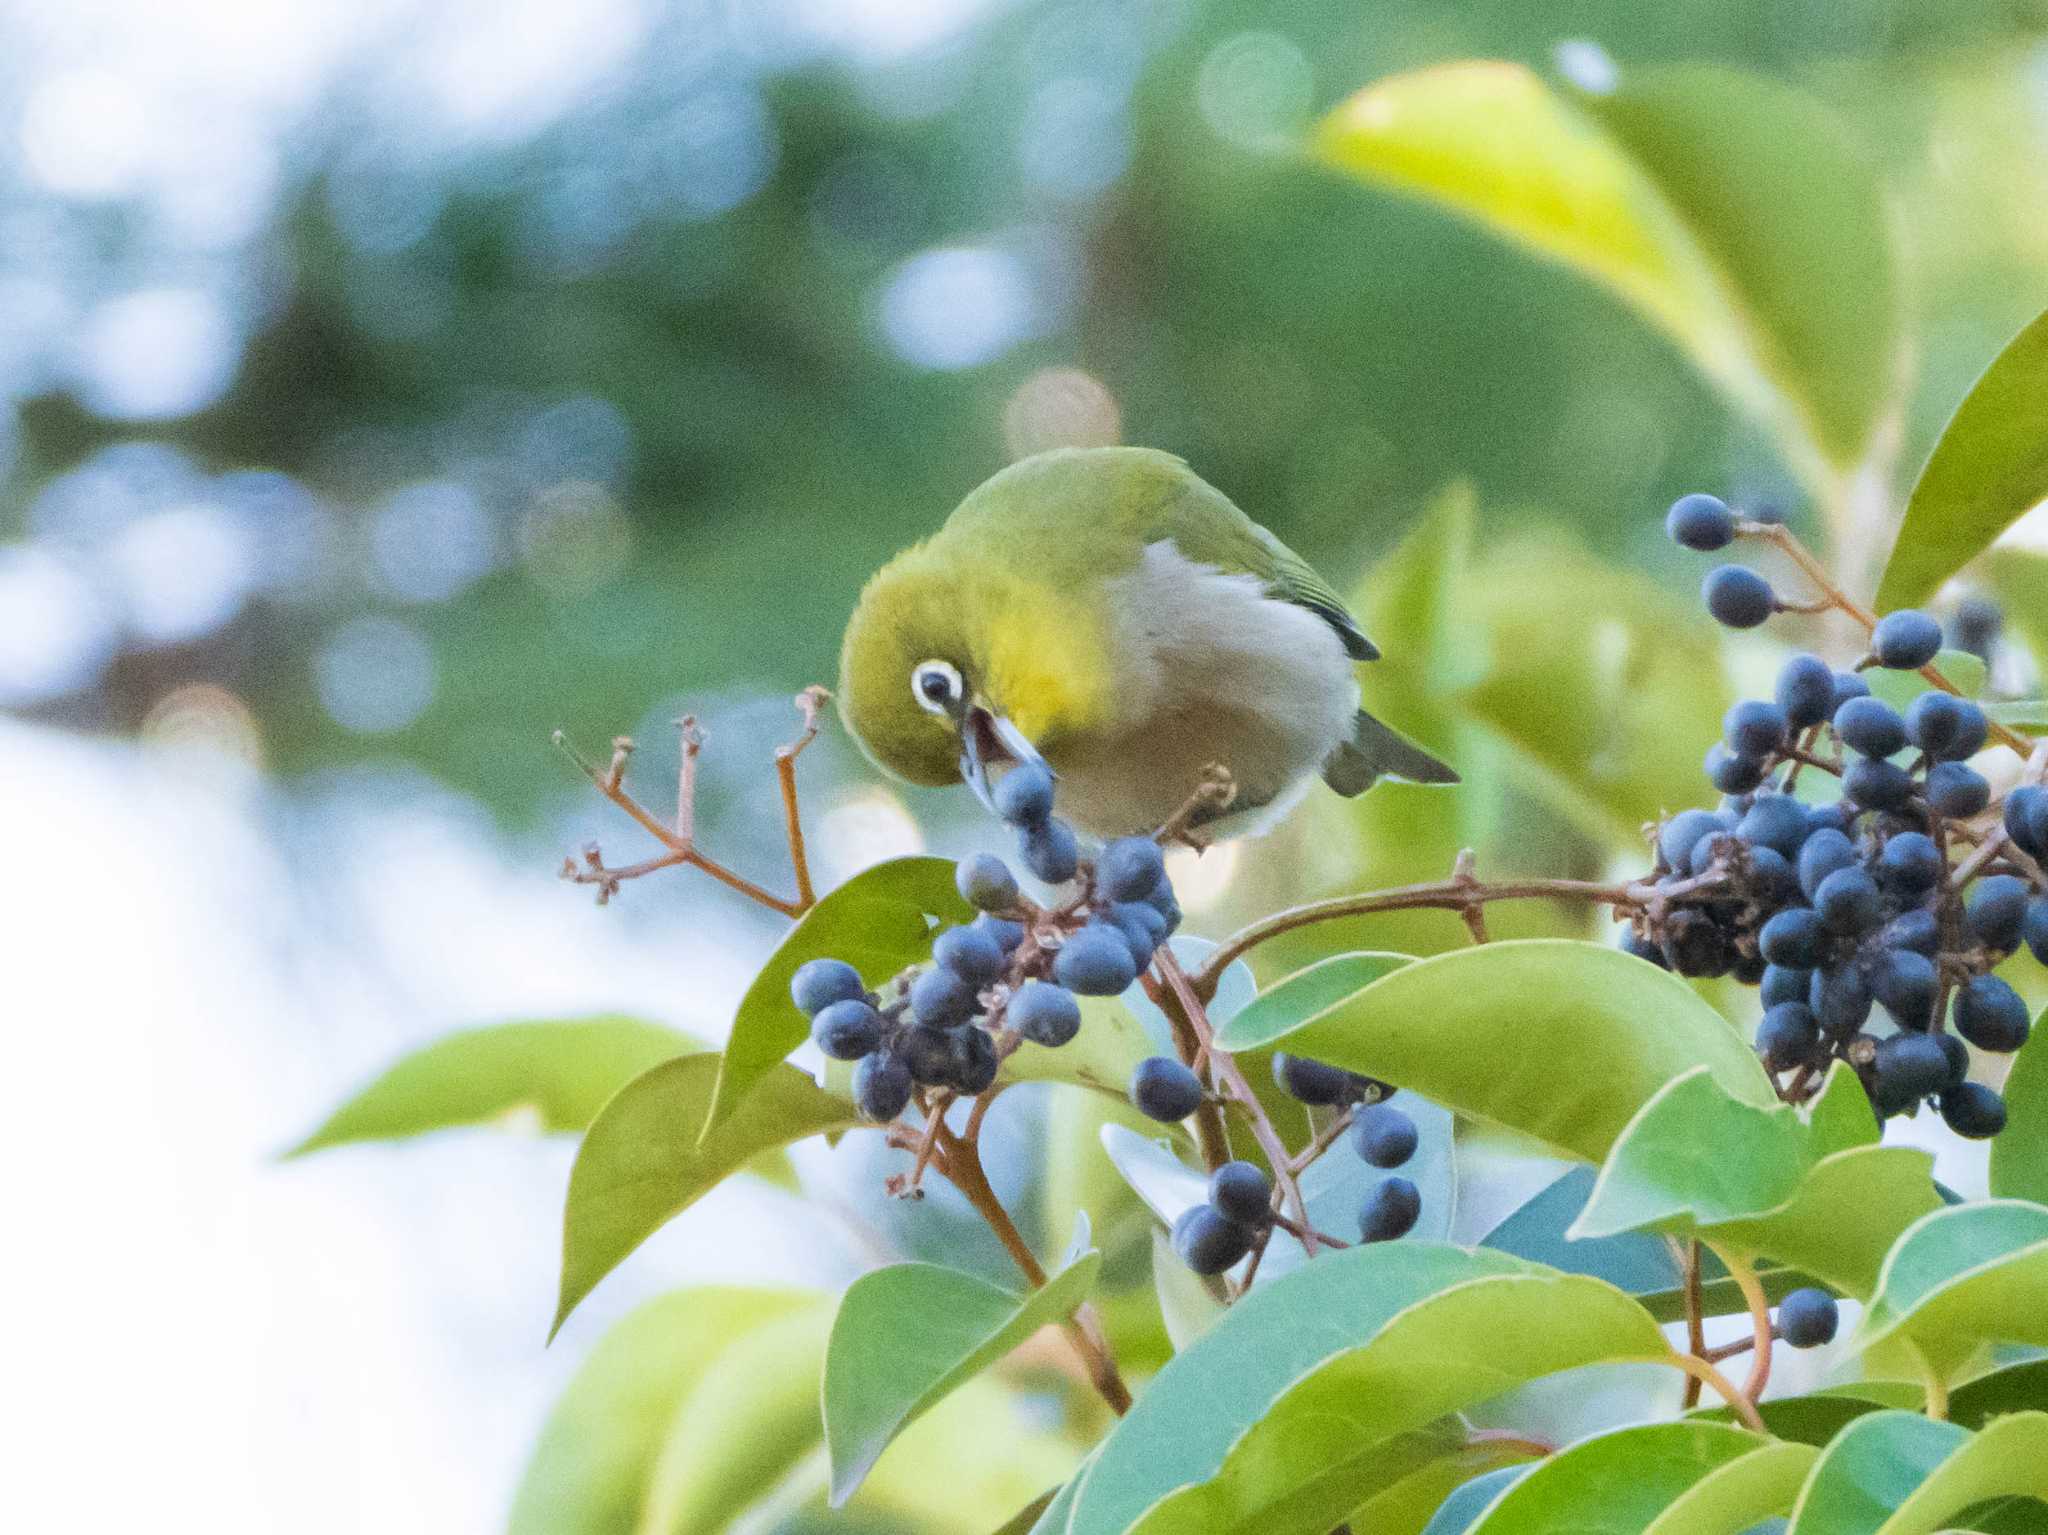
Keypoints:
pixel 987 738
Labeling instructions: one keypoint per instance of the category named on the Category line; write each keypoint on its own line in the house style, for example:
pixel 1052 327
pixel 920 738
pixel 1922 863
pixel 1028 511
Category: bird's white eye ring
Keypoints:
pixel 936 686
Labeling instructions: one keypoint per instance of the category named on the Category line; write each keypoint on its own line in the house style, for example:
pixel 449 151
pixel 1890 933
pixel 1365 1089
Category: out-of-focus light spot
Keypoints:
pixel 1255 90
pixel 1075 139
pixel 1200 880
pixel 215 182
pixel 84 134
pixel 575 538
pixel 582 439
pixel 1587 65
pixel 504 69
pixel 292 534
pixel 39 313
pixel 2030 532
pixel 432 540
pixel 381 207
pixel 183 572
pixel 375 675
pixel 1060 408
pixel 710 154
pixel 153 354
pixel 55 634
pixel 957 307
pixel 867 827
pixel 206 719
pixel 881 31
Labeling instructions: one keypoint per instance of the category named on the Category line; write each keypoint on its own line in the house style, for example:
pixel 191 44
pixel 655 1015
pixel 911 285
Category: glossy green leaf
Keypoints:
pixel 1292 1001
pixel 880 921
pixel 1101 1057
pixel 1738 1495
pixel 2014 1388
pixel 550 1076
pixel 1559 1040
pixel 1058 1516
pixel 1167 1185
pixel 1411 1504
pixel 1465 1505
pixel 908 1334
pixel 641 1163
pixel 1187 1305
pixel 1967 672
pixel 1271 1421
pixel 1614 1482
pixel 1964 1276
pixel 745 1427
pixel 1815 1419
pixel 1902 1474
pixel 2019 1156
pixel 2025 714
pixel 598 1448
pixel 1756 277
pixel 1027 1517
pixel 1989 466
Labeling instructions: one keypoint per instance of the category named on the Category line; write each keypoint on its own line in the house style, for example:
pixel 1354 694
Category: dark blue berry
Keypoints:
pixel 1787 1036
pixel 1044 1013
pixel 1957 790
pixel 1129 868
pixel 2026 819
pixel 1910 1067
pixel 1876 784
pixel 928 1054
pixel 881 1087
pixel 1806 691
pixel 1906 983
pixel 1905 640
pixel 1679 835
pixel 1945 727
pixel 1738 596
pixel 1096 962
pixel 1808 1318
pixel 939 998
pixel 819 983
pixel 2034 928
pixel 1784 983
pixel 1242 1192
pixel 975 1061
pixel 1997 908
pixel 1383 1135
pixel 1696 945
pixel 1772 875
pixel 1023 796
pixel 1700 522
pixel 1754 728
pixel 1000 931
pixel 848 1030
pixel 1732 774
pixel 986 883
pixel 1050 852
pixel 1164 1089
pixel 1871 726
pixel 1633 942
pixel 1991 1015
pixel 1825 851
pixel 1849 901
pixel 1847 686
pixel 1389 1211
pixel 973 956
pixel 1208 1241
pixel 1312 1082
pixel 1142 927
pixel 1840 999
pixel 1958 1055
pixel 1915 930
pixel 1795 938
pixel 1775 821
pixel 1976 626
pixel 1910 864
pixel 1973 1111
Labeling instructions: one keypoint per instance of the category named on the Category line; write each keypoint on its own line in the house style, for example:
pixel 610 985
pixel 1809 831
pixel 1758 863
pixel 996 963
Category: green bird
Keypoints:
pixel 1107 613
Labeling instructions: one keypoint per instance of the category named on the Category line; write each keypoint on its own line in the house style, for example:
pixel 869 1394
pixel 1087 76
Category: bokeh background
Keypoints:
pixel 386 384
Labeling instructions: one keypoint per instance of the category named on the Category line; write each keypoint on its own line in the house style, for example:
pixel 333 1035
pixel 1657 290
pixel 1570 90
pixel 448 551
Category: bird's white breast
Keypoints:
pixel 1210 668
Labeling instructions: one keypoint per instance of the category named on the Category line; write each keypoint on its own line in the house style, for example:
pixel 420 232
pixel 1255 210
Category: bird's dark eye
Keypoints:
pixel 936 686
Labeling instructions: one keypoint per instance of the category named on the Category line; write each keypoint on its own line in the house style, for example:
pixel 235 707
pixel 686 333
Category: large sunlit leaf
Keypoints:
pixel 1274 1420
pixel 1559 1040
pixel 1614 1483
pixel 2013 1388
pixel 907 1334
pixel 1777 283
pixel 1738 1495
pixel 551 1075
pixel 641 1164
pixel 1896 1473
pixel 2019 1156
pixel 1899 689
pixel 1989 466
pixel 597 1451
pixel 1292 1001
pixel 1410 1504
pixel 1965 1276
pixel 977 1488
pixel 880 921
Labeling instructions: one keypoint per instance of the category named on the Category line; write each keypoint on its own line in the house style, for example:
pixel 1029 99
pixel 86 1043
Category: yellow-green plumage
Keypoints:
pixel 1134 626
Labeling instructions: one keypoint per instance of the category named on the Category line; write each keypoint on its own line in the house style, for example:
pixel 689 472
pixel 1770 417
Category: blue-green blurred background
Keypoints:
pixel 387 383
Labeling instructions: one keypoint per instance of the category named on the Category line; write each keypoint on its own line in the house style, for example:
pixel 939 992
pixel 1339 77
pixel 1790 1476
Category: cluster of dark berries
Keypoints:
pixel 1014 973
pixel 1211 1237
pixel 1898 895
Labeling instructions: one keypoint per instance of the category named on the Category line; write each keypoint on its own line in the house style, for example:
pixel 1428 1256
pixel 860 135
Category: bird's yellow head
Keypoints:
pixel 956 663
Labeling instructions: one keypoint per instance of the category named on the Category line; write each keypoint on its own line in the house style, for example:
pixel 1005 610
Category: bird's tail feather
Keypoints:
pixel 1376 750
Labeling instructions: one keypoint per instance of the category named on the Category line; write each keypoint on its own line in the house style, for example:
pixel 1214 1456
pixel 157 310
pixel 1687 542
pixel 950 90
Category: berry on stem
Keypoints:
pixel 1242 1192
pixel 1738 597
pixel 1208 1241
pixel 1312 1082
pixel 970 954
pixel 1023 796
pixel 1973 1111
pixel 1096 962
pixel 1808 1318
pixel 1906 640
pixel 986 883
pixel 1164 1089
pixel 1384 1136
pixel 1130 868
pixel 1049 851
pixel 1700 522
pixel 818 983
pixel 1389 1211
pixel 848 1030
pixel 1044 1013
pixel 881 1087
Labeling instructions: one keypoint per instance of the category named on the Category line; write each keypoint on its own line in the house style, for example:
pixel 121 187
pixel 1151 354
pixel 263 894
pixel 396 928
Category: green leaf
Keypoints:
pixel 2028 714
pixel 1272 1420
pixel 1101 1057
pixel 599 1445
pixel 554 1076
pixel 1472 1500
pixel 1901 1474
pixel 1989 466
pixel 1899 689
pixel 1736 1496
pixel 1166 1184
pixel 745 1427
pixel 908 1334
pixel 1964 1276
pixel 1026 1518
pixel 1816 1418
pixel 641 1163
pixel 1559 1040
pixel 2014 1388
pixel 1614 1482
pixel 1058 1516
pixel 1289 1003
pixel 2019 1156
pixel 1778 283
pixel 1411 1504
pixel 880 921
pixel 1187 1305
pixel 991 1449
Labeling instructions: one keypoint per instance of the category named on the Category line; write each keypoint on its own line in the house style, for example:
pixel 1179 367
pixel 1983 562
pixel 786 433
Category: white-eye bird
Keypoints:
pixel 1107 612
